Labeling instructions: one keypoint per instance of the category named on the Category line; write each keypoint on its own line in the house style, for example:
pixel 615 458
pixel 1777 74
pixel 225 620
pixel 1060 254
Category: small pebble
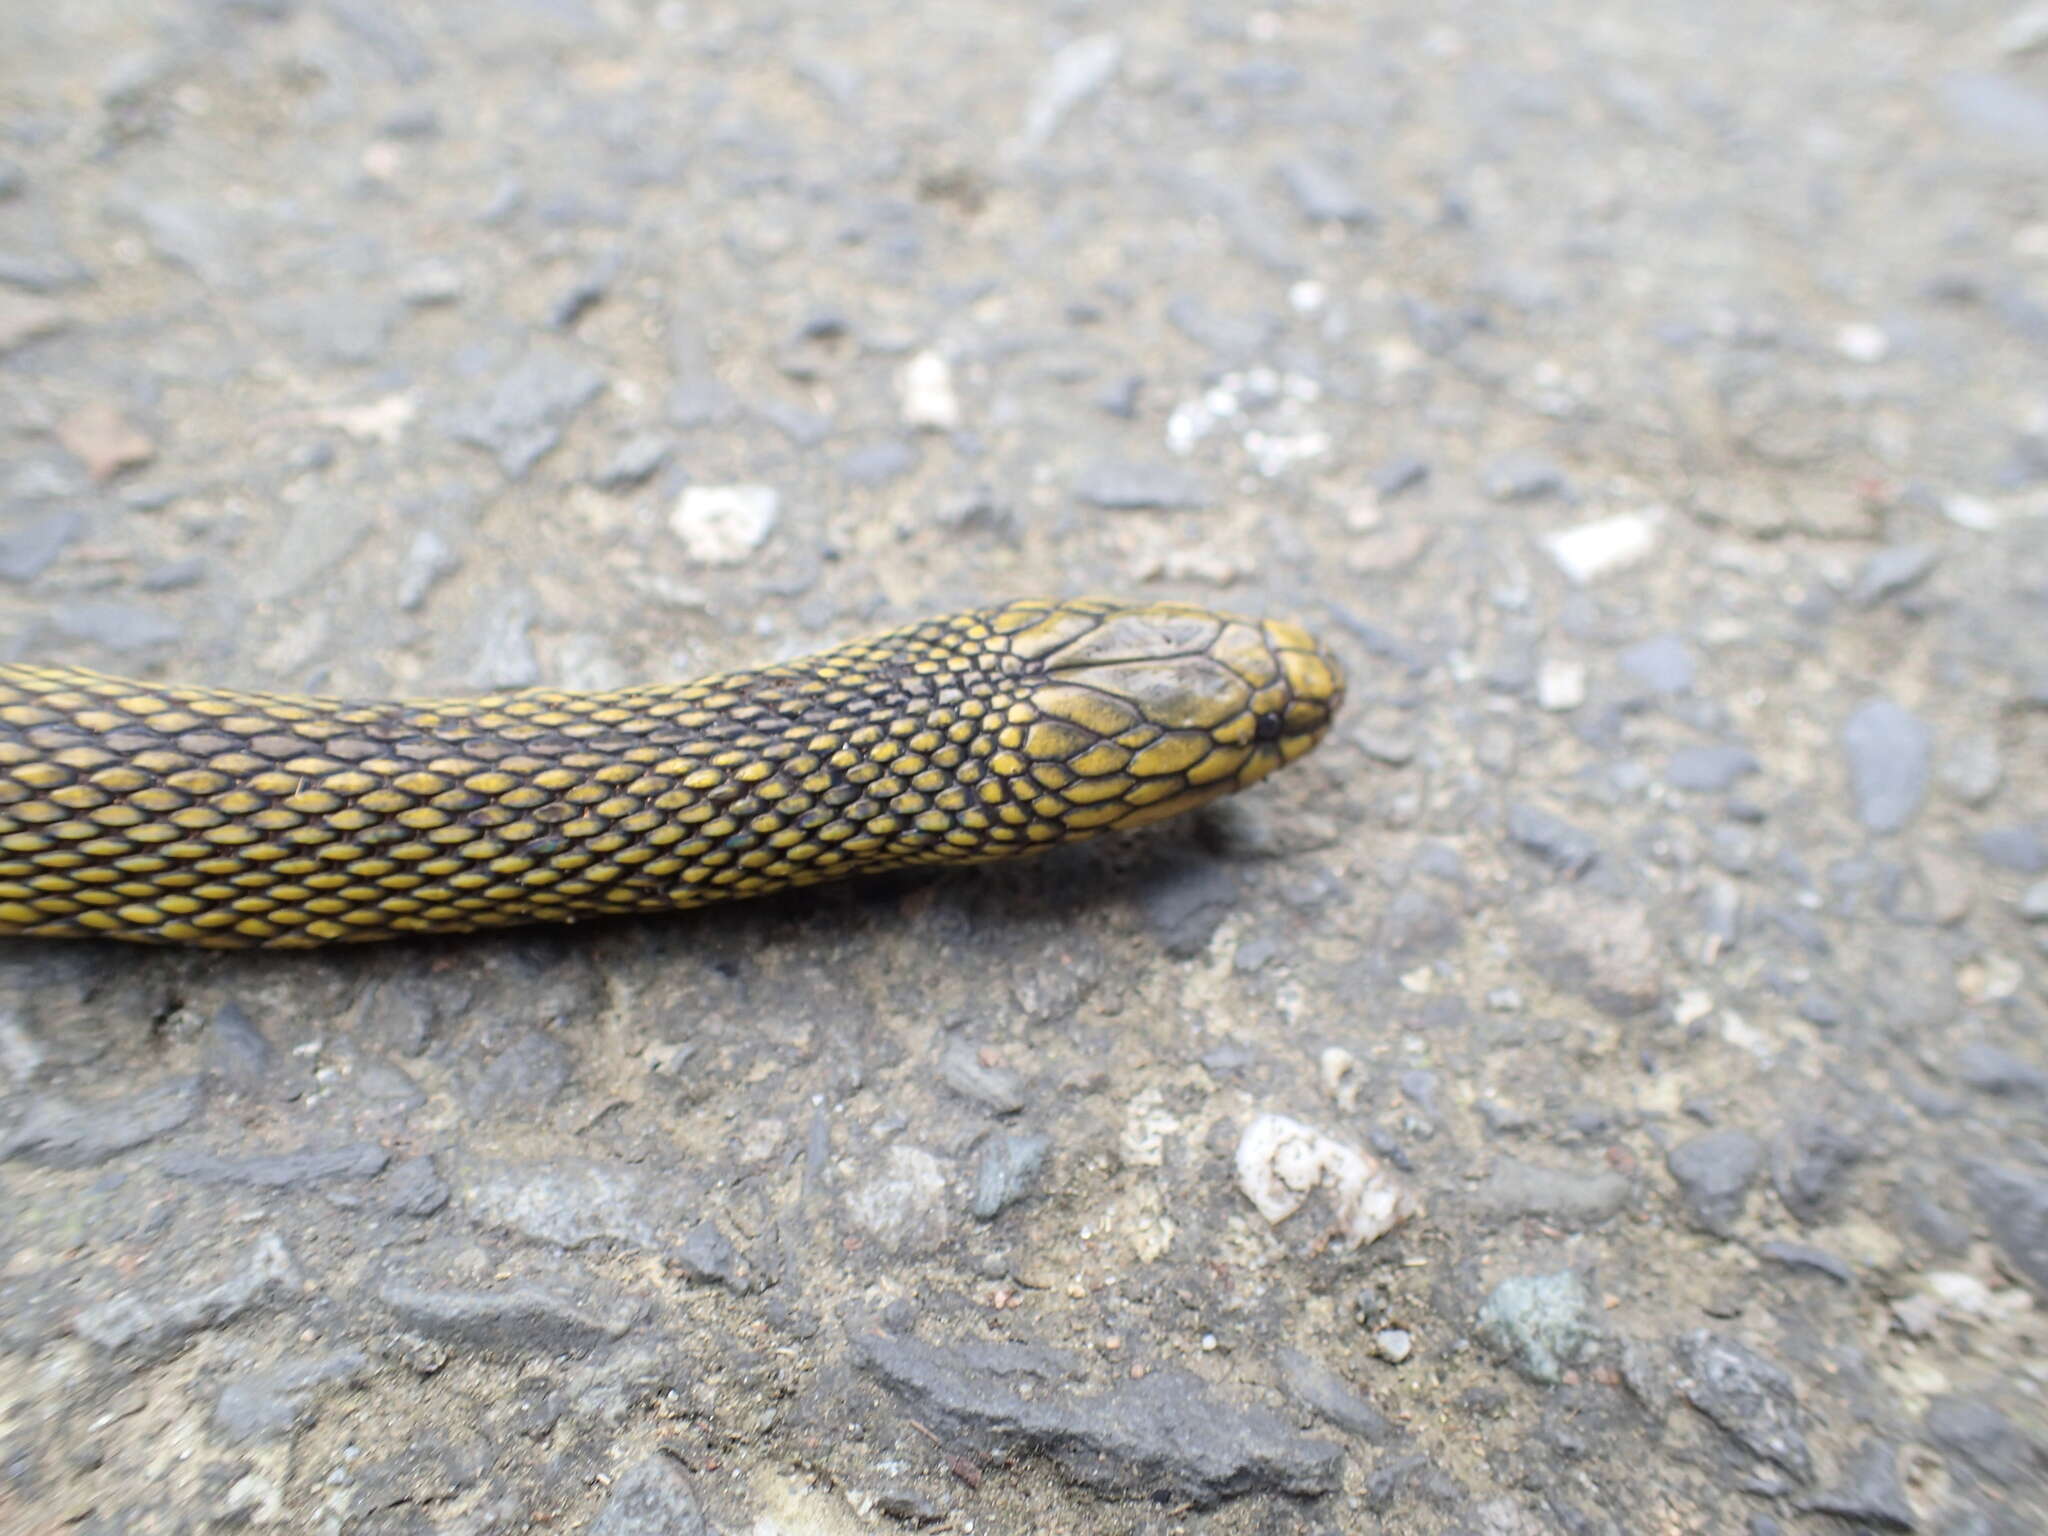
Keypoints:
pixel 926 394
pixel 725 524
pixel 1862 342
pixel 1590 551
pixel 1560 685
pixel 1889 752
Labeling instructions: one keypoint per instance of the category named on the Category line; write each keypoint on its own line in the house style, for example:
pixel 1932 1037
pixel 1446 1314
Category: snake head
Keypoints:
pixel 1140 711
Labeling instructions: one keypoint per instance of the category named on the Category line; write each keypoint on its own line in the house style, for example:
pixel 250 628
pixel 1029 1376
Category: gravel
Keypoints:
pixel 1715 1172
pixel 1130 485
pixel 517 1322
pixel 1318 1387
pixel 1540 1324
pixel 653 1497
pixel 1165 1436
pixel 2014 1202
pixel 1571 1198
pixel 1890 753
pixel 1746 1396
pixel 1709 770
pixel 57 1133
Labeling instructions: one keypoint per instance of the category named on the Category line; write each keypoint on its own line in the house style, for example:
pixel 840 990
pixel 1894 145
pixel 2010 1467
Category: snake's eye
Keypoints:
pixel 1267 728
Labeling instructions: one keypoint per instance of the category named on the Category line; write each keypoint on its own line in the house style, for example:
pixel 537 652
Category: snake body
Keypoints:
pixel 187 815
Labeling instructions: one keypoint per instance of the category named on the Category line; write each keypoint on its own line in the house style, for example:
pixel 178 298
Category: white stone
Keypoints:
pixel 926 393
pixel 1280 1162
pixel 1393 1345
pixel 724 524
pixel 1862 342
pixel 1590 551
pixel 1971 512
pixel 1560 684
pixel 1307 296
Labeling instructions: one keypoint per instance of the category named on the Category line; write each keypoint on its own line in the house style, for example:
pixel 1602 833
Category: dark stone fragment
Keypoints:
pixel 2014 1203
pixel 528 1074
pixel 1869 1492
pixel 117 626
pixel 1751 1399
pixel 140 1329
pixel 272 1404
pixel 1119 397
pixel 1934 1225
pixel 652 1497
pixel 1663 664
pixel 708 1256
pixel 1806 1256
pixel 1233 337
pixel 1412 1477
pixel 526 1320
pixel 585 291
pixel 1821 1008
pixel 1989 1069
pixel 414 1188
pixel 1973 1430
pixel 999 1088
pixel 1552 839
pixel 801 425
pixel 1119 485
pixel 878 463
pixel 1522 477
pixel 1890 754
pixel 29 549
pixel 1714 1174
pixel 1185 899
pixel 46 271
pixel 1417 923
pixel 175 575
pixel 1166 1436
pixel 1892 571
pixel 698 397
pixel 907 1507
pixel 235 1051
pixel 1808 1163
pixel 284 1170
pixel 1005 1171
pixel 1263 77
pixel 1606 953
pixel 56 1133
pixel 1400 474
pixel 1569 1198
pixel 1709 769
pixel 2021 848
pixel 634 462
pixel 1329 1394
pixel 521 418
pixel 1323 194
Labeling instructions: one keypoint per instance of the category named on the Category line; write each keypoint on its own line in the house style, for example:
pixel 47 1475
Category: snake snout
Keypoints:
pixel 1312 681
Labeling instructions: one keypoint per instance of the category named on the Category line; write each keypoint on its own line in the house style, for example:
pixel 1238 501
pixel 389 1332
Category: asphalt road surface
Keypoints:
pixel 1602 1090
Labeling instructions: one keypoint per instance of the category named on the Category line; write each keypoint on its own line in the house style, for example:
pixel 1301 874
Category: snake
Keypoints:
pixel 233 819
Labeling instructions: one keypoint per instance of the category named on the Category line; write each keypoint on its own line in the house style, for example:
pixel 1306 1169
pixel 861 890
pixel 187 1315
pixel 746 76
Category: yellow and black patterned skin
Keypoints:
pixel 200 816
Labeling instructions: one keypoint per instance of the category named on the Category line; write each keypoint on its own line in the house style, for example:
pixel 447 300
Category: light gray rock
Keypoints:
pixel 1890 754
pixel 1540 1324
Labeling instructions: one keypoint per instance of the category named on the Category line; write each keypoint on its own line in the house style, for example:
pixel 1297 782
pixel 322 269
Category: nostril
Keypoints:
pixel 1267 728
